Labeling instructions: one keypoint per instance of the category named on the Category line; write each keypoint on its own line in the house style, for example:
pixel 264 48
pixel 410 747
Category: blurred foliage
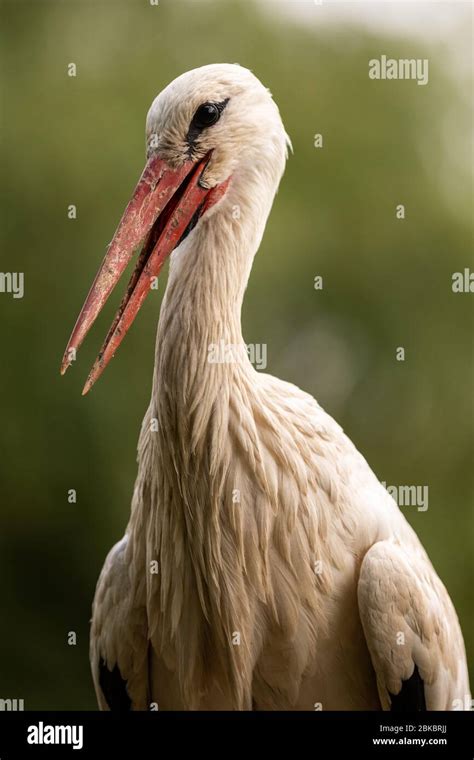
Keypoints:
pixel 387 283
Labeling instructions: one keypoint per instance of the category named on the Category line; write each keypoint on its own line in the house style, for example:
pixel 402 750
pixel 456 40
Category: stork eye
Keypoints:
pixel 206 115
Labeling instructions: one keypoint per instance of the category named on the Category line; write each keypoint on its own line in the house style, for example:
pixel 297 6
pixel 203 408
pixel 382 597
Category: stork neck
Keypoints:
pixel 208 276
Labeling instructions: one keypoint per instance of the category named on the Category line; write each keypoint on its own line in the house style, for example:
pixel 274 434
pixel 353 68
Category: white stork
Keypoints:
pixel 264 566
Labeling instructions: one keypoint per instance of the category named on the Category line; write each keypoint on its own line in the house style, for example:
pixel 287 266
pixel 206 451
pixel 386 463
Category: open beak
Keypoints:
pixel 166 203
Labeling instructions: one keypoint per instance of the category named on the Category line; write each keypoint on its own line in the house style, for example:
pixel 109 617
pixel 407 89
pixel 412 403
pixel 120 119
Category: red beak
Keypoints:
pixel 163 205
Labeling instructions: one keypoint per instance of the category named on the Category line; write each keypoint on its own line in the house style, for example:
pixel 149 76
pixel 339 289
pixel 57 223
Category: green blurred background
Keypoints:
pixel 387 283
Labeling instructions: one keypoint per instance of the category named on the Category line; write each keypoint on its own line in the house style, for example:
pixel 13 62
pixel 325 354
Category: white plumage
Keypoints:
pixel 287 577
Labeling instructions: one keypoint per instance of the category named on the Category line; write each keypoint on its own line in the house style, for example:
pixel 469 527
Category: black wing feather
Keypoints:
pixel 411 696
pixel 114 688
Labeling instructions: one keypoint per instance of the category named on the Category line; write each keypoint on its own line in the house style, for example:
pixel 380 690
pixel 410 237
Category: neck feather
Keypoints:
pixel 203 300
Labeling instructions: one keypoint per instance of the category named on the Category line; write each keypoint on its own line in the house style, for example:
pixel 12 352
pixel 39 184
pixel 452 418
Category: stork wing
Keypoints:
pixel 412 631
pixel 119 644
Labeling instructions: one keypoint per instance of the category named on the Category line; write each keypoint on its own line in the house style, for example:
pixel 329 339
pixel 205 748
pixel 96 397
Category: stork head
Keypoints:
pixel 220 110
pixel 203 130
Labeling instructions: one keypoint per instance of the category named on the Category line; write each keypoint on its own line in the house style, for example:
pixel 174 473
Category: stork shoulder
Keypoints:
pixel 118 642
pixel 337 465
pixel 300 405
